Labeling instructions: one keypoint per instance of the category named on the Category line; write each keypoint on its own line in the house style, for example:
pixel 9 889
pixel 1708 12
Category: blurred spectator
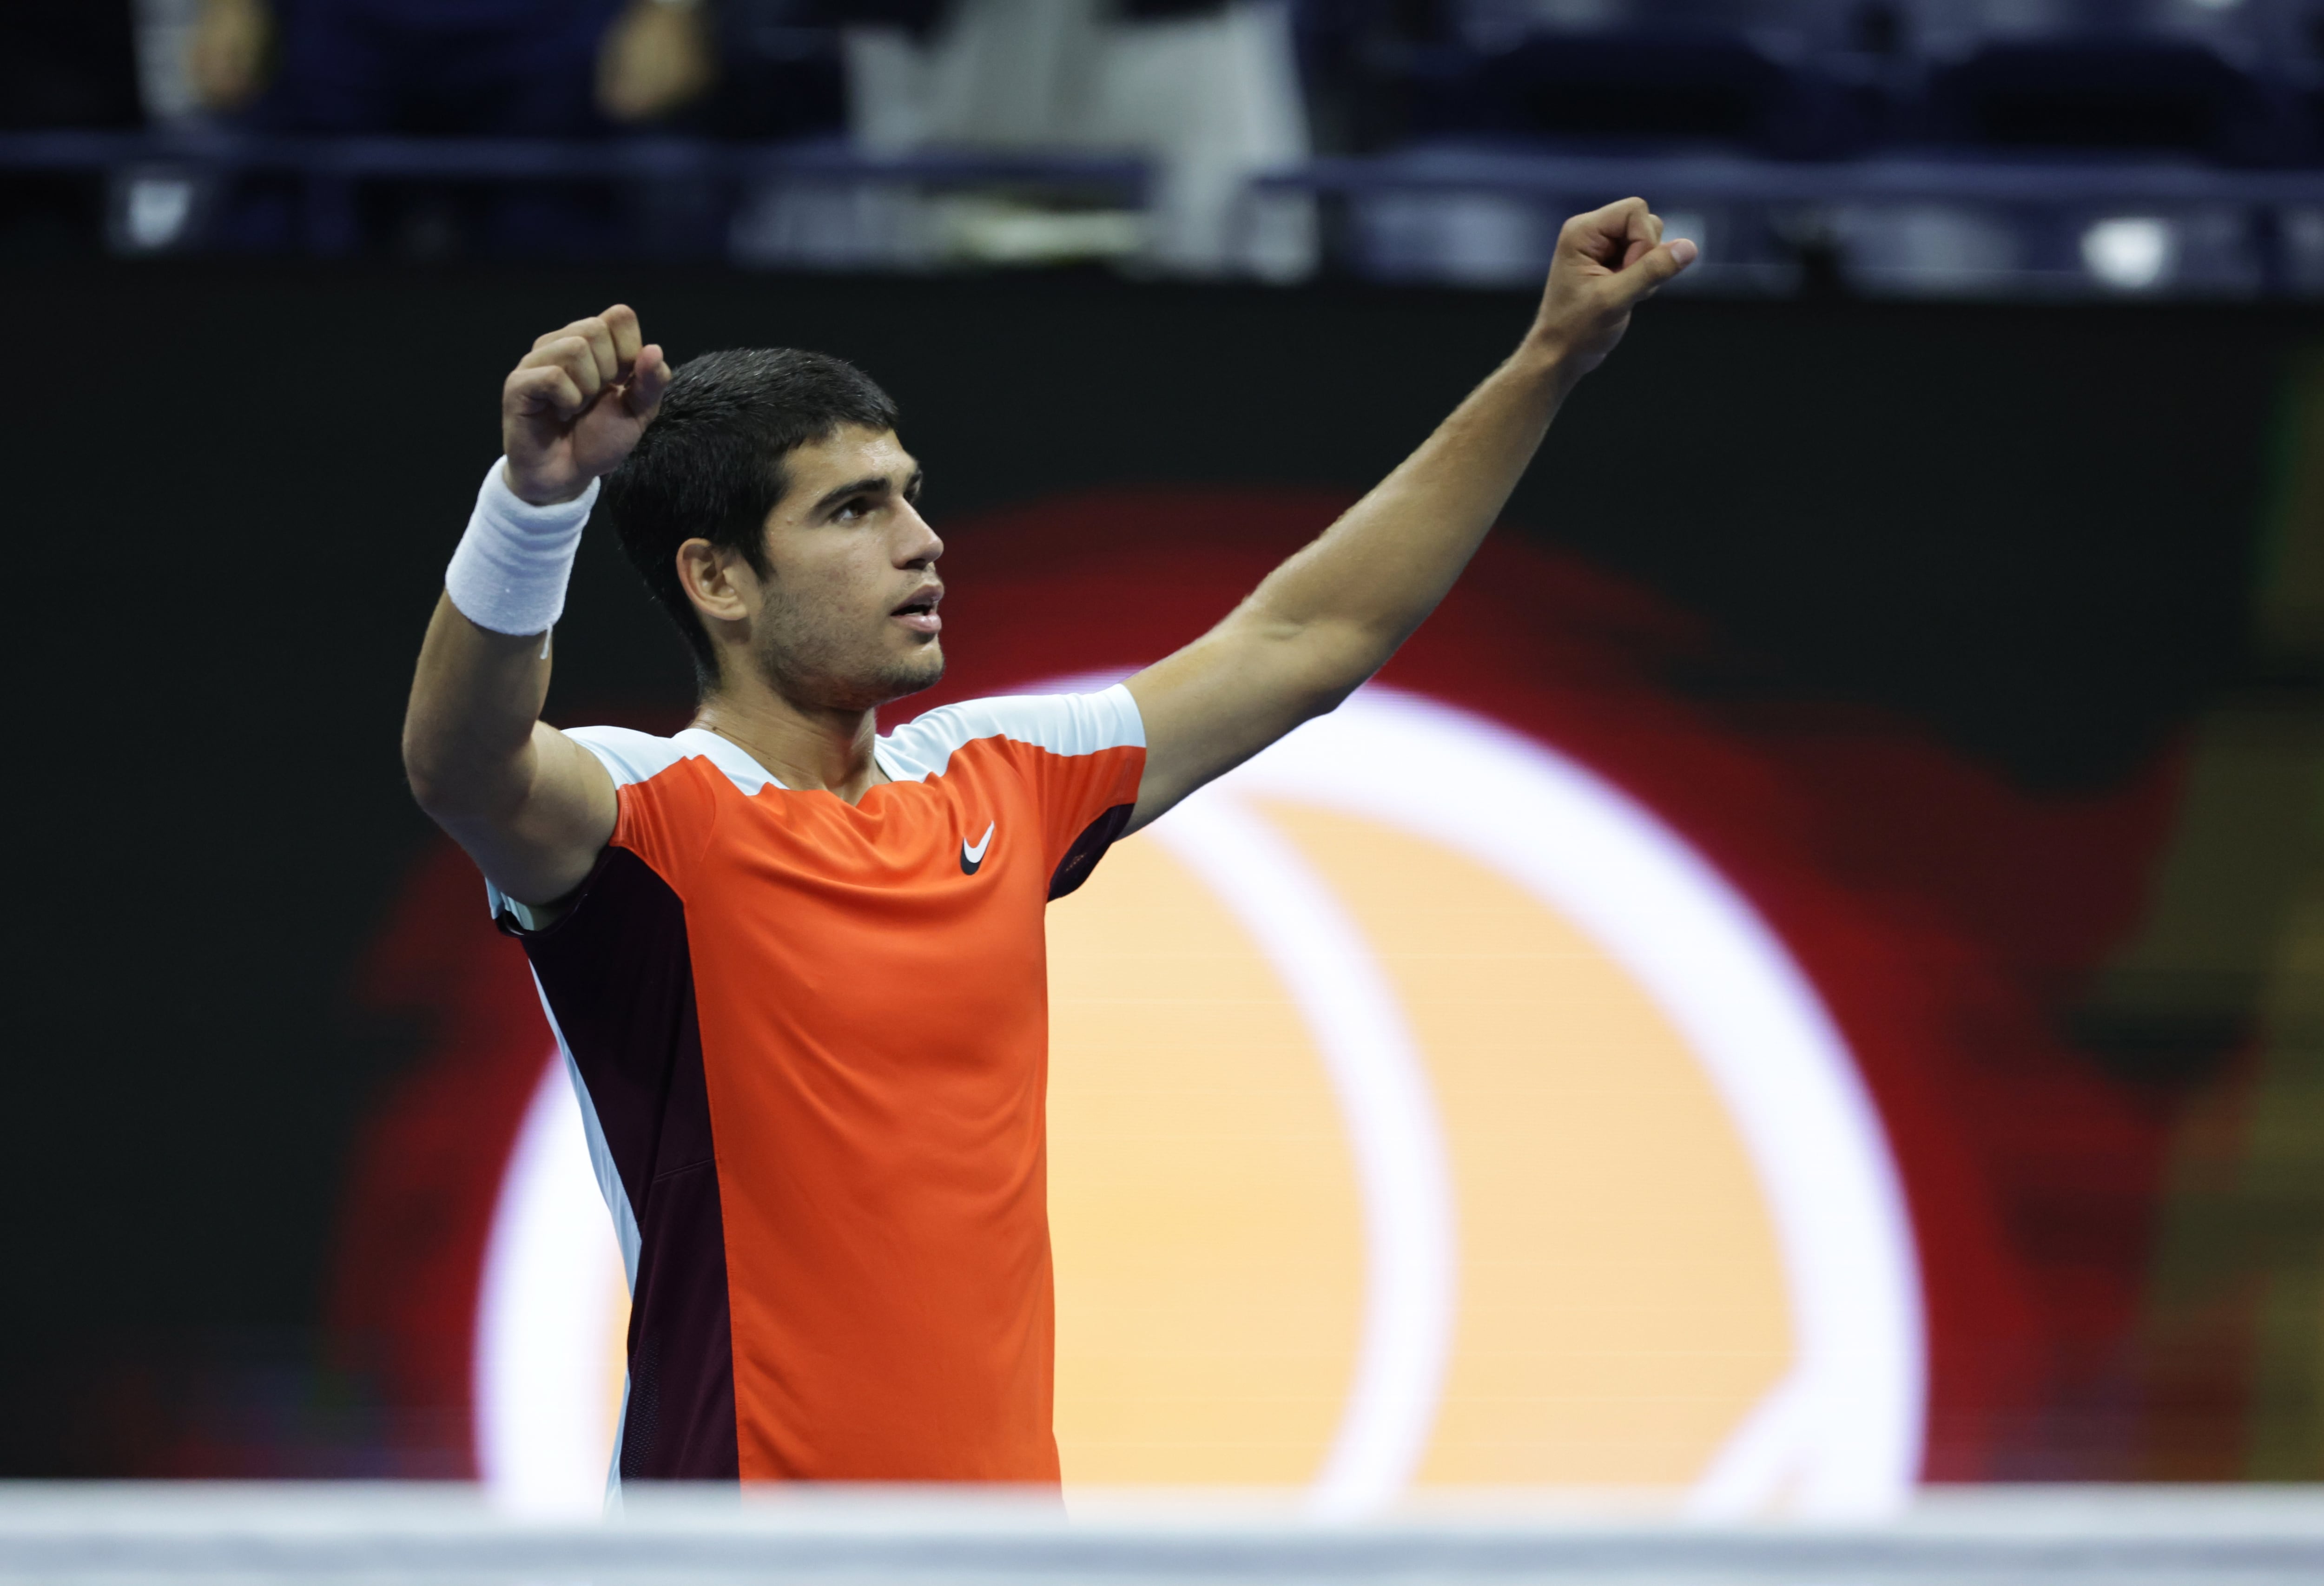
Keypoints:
pixel 227 55
pixel 1207 90
pixel 656 59
pixel 165 81
pixel 544 68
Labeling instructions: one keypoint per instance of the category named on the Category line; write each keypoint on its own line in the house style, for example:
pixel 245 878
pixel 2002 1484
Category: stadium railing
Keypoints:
pixel 159 176
pixel 1920 223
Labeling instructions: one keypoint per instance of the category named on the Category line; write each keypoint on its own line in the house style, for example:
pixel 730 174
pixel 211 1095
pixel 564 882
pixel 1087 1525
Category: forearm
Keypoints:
pixel 533 808
pixel 483 668
pixel 1367 581
pixel 1331 615
pixel 468 731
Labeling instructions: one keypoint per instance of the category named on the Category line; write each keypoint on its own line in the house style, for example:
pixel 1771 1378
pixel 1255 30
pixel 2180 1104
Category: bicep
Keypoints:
pixel 1221 699
pixel 543 845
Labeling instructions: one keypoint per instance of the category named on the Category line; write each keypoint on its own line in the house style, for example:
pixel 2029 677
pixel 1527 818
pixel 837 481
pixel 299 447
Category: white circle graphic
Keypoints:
pixel 1410 1240
pixel 1839 1437
pixel 546 1313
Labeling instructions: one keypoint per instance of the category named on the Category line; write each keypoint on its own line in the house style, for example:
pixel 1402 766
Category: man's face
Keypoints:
pixel 848 619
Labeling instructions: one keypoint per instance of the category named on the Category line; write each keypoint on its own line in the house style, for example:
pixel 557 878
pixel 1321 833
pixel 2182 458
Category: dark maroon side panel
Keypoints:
pixel 619 977
pixel 1087 849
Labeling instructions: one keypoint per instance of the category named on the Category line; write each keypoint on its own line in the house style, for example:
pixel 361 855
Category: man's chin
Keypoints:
pixel 922 670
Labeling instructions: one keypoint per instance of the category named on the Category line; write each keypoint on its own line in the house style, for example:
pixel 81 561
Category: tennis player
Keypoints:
pixel 796 968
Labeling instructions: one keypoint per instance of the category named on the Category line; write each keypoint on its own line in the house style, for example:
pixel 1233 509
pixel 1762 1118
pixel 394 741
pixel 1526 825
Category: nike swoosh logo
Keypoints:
pixel 971 858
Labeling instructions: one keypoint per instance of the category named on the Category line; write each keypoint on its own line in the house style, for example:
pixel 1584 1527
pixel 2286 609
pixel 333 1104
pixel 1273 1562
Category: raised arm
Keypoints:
pixel 531 806
pixel 1331 616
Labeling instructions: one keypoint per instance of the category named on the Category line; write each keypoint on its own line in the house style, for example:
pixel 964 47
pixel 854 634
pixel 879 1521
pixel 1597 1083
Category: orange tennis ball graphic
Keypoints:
pixel 1423 1113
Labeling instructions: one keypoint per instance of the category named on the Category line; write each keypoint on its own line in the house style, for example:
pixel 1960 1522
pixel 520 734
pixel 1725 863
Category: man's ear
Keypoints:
pixel 713 581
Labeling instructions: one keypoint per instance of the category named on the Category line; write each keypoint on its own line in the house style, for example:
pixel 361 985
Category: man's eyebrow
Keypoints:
pixel 870 485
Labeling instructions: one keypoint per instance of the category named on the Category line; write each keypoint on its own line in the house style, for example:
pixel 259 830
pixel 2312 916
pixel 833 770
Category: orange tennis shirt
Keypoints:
pixel 811 1041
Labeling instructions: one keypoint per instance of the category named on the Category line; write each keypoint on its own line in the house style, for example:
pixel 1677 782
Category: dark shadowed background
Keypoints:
pixel 2064 544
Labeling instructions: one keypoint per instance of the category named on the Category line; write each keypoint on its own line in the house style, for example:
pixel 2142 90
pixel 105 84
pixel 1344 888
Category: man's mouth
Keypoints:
pixel 920 613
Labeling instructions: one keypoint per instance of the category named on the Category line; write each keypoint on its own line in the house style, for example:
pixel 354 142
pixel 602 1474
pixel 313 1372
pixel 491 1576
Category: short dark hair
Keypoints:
pixel 710 467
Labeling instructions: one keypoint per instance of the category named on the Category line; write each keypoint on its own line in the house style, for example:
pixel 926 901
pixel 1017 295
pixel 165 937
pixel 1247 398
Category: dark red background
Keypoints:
pixel 1938 910
pixel 1912 615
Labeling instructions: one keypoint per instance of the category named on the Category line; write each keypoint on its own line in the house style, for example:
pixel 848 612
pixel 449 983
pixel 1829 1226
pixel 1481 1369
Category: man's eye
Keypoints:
pixel 853 510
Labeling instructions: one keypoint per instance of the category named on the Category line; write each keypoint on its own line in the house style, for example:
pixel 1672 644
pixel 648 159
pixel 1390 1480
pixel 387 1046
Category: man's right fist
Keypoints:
pixel 576 404
pixel 1607 262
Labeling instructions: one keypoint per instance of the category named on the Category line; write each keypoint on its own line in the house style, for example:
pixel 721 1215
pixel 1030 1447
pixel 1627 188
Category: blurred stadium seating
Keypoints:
pixel 1995 148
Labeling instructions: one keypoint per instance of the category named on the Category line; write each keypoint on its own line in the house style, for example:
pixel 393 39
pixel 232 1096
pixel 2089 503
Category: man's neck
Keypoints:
pixel 800 746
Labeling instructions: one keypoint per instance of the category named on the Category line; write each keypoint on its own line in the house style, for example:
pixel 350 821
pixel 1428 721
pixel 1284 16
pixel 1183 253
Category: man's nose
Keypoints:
pixel 921 543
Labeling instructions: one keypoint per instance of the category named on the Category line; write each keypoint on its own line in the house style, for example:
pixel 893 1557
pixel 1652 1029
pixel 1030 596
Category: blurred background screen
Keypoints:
pixel 1806 976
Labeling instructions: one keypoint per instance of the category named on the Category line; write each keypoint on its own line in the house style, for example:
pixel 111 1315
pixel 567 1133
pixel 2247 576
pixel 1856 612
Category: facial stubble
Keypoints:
pixel 810 656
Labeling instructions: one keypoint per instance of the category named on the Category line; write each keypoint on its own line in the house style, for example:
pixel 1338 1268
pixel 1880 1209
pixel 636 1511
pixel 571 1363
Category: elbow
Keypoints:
pixel 1330 700
pixel 1325 699
pixel 439 783
pixel 1339 660
pixel 461 782
pixel 424 774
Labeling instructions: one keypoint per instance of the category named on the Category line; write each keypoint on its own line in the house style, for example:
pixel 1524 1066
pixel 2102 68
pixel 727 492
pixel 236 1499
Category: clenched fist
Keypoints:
pixel 576 404
pixel 1608 262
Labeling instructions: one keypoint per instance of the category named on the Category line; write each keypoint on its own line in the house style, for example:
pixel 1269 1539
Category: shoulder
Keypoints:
pixel 1061 723
pixel 633 759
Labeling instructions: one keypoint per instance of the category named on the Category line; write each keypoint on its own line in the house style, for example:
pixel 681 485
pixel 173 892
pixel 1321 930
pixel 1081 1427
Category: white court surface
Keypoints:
pixel 153 1534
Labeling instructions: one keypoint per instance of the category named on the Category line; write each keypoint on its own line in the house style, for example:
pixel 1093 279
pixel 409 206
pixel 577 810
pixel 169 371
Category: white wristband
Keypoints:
pixel 510 570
